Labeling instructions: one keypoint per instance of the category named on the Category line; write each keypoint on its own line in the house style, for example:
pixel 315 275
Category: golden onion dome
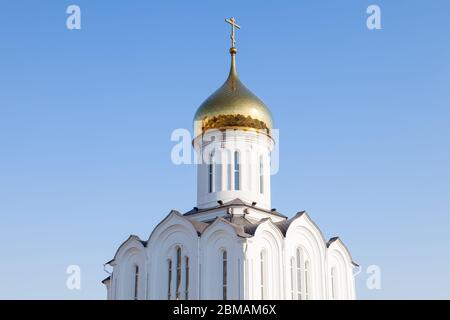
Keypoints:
pixel 233 106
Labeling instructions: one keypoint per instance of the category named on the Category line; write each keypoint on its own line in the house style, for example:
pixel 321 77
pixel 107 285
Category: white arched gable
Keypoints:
pixel 304 223
pixel 303 233
pixel 269 232
pixel 267 243
pixel 131 254
pixel 175 222
pixel 173 232
pixel 341 281
pixel 218 237
pixel 338 244
pixel 132 242
pixel 220 226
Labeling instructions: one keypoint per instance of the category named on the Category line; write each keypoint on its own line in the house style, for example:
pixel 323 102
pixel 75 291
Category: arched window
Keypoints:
pixel 186 284
pixel 307 280
pixel 333 283
pixel 211 181
pixel 136 282
pixel 292 278
pixel 237 171
pixel 169 284
pixel 261 175
pixel 229 173
pixel 178 266
pixel 262 257
pixel 299 274
pixel 224 274
pixel 303 275
pixel 178 286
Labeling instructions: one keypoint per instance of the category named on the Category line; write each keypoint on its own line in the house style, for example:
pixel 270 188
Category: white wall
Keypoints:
pixel 303 235
pixel 173 232
pixel 131 254
pixel 269 241
pixel 243 263
pixel 344 281
pixel 251 146
pixel 218 237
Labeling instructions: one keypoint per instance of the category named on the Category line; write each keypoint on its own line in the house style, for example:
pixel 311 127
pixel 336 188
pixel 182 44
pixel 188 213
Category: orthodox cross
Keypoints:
pixel 232 21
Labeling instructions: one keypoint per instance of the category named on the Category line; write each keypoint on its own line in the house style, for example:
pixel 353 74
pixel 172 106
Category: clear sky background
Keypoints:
pixel 86 117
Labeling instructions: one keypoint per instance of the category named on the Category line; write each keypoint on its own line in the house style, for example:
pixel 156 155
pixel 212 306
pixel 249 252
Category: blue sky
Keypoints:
pixel 86 117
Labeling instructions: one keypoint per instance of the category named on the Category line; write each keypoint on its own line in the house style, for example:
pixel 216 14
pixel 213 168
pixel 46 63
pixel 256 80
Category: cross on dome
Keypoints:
pixel 232 21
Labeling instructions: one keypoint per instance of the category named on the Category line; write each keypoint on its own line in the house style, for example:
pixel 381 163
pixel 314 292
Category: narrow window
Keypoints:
pixel 261 175
pixel 299 275
pixel 237 169
pixel 263 273
pixel 292 278
pixel 229 173
pixel 169 287
pixel 224 274
pixel 136 281
pixel 178 287
pixel 333 283
pixel 307 280
pixel 211 173
pixel 186 284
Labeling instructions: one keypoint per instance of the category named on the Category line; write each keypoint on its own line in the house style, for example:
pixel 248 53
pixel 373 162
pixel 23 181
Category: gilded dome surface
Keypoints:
pixel 233 106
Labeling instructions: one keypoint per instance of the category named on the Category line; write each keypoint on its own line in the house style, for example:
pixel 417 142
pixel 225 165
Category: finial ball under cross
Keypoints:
pixel 232 21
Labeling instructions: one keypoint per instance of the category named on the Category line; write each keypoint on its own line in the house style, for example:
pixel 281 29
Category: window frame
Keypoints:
pixel 211 173
pixel 224 274
pixel 179 270
pixel 237 170
pixel 261 175
pixel 169 287
pixel 263 273
pixel 136 282
pixel 186 280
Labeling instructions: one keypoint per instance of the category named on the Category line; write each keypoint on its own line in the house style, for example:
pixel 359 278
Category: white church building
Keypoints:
pixel 232 244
